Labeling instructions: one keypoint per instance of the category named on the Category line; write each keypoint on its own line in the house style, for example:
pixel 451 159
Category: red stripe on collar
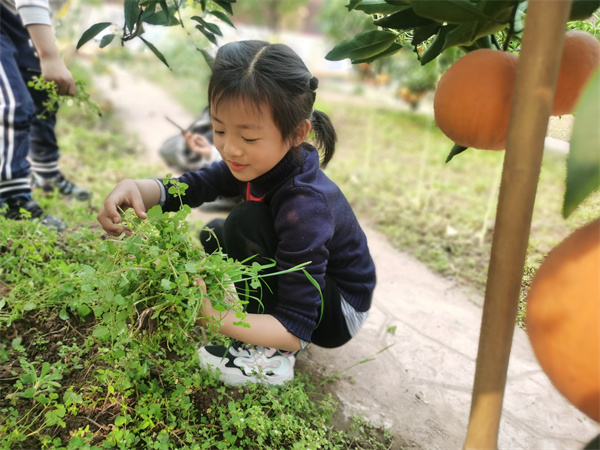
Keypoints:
pixel 250 197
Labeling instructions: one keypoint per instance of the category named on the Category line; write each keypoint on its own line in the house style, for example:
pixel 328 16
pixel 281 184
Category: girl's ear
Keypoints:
pixel 302 131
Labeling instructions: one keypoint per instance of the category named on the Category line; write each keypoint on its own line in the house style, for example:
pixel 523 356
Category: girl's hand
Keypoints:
pixel 124 196
pixel 207 310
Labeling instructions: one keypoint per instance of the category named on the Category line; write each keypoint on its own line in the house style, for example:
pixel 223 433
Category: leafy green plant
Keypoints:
pixel 34 384
pixel 439 26
pixel 81 97
pixel 167 13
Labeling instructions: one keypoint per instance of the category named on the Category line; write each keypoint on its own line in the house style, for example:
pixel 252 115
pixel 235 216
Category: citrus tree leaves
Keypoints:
pixel 467 24
pixel 448 23
pixel 92 32
pixel 137 13
pixel 376 6
pixel 583 162
pixel 582 9
pixel 453 11
pixel 363 46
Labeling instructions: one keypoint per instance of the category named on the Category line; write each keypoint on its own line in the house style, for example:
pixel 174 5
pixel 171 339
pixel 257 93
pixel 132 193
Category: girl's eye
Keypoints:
pixel 218 132
pixel 249 141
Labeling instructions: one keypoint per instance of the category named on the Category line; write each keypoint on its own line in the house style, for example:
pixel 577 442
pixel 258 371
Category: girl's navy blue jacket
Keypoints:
pixel 313 222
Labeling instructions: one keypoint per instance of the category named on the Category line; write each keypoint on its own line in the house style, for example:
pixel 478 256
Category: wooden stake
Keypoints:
pixel 541 51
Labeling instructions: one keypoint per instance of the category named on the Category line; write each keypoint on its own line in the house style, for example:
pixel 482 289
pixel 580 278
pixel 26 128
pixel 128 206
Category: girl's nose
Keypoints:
pixel 230 148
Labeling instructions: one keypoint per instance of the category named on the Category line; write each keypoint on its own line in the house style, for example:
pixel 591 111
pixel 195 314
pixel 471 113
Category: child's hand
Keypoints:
pixel 53 69
pixel 207 310
pixel 124 196
pixel 198 144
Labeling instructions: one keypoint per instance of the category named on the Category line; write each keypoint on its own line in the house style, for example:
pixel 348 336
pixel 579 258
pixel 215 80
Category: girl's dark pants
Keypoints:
pixel 248 231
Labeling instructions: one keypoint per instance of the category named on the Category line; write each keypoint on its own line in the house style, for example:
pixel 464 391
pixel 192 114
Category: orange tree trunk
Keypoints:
pixel 537 73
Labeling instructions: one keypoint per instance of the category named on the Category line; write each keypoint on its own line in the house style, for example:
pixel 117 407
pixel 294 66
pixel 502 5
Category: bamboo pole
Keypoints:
pixel 537 71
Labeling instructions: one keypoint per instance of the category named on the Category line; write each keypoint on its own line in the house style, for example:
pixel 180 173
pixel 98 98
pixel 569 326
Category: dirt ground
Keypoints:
pixel 411 367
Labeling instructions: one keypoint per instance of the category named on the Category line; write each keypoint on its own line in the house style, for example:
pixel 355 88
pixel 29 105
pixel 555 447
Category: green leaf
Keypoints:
pixel 422 33
pixel 101 332
pixel 583 162
pixel 583 9
pixel 362 46
pixel 132 13
pixel 207 57
pixel 435 48
pixel 222 16
pixel 83 310
pixel 166 11
pixel 405 19
pixel 210 27
pixel 45 369
pixel 164 17
pixel 156 52
pixel 120 421
pixel 211 37
pixel 456 149
pixel 225 4
pixel 92 32
pixel 29 306
pixel 106 39
pixel 394 48
pixel 353 4
pixel 167 285
pixel 63 314
pixel 468 33
pixel 378 7
pixel 449 11
pixel 154 213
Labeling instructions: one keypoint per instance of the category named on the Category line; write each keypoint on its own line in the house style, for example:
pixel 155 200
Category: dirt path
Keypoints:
pixel 425 327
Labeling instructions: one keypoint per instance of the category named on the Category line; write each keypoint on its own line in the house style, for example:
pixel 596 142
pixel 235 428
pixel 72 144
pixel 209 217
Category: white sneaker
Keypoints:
pixel 241 363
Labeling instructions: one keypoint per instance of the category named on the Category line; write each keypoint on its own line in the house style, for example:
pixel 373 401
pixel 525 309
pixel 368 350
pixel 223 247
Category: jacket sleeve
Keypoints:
pixel 304 226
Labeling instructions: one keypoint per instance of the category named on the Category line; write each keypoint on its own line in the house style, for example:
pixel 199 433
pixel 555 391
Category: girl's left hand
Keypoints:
pixel 207 310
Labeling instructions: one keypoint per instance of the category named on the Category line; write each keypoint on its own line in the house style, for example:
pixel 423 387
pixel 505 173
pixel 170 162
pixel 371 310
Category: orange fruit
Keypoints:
pixel 563 318
pixel 580 59
pixel 473 99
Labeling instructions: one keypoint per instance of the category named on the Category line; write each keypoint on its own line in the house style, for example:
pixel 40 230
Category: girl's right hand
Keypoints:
pixel 124 196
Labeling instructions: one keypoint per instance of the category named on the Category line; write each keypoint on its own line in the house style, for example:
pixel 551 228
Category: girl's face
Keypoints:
pixel 248 140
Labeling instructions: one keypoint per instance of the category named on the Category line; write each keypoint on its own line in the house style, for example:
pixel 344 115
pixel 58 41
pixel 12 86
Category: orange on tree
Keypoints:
pixel 563 318
pixel 473 99
pixel 580 59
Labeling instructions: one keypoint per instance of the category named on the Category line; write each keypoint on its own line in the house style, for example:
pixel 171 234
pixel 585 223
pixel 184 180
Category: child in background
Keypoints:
pixel 27 49
pixel 192 148
pixel 261 99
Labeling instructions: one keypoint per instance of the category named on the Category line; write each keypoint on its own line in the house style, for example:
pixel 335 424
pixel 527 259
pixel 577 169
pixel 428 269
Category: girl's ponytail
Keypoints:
pixel 324 135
